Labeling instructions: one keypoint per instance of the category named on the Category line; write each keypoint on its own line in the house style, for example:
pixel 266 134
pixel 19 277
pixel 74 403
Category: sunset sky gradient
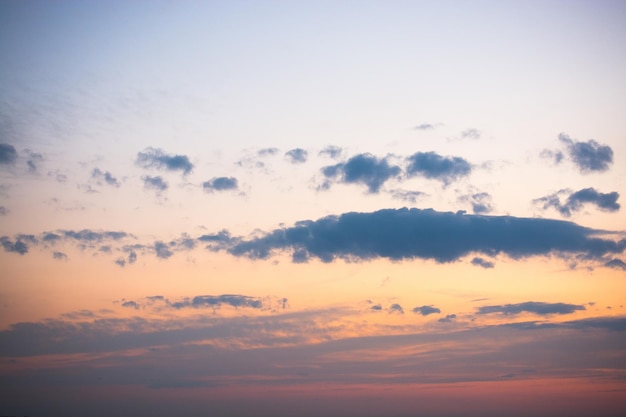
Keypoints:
pixel 337 208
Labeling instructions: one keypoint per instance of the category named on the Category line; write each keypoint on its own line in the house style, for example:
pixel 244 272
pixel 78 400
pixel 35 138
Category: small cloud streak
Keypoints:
pixel 539 308
pixel 220 184
pixel 426 310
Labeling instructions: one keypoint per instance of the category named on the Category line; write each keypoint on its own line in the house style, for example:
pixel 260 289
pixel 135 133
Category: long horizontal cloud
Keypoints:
pixel 576 200
pixel 531 307
pixel 427 234
pixel 217 300
pixel 157 158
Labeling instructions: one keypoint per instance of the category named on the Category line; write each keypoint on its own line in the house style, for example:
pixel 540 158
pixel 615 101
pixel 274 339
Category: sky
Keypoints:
pixel 339 208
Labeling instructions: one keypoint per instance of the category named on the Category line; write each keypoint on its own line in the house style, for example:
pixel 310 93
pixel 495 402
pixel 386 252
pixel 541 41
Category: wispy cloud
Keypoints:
pixel 157 158
pixel 297 155
pixel 575 201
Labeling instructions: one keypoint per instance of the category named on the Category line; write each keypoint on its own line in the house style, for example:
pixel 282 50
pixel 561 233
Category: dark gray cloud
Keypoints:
pixel 156 158
pixel 481 202
pixel 427 234
pixel 616 263
pixel 425 126
pixel 120 262
pixel 3 211
pixel 434 166
pixel 8 154
pixel 376 307
pixel 396 309
pixel 106 176
pixel 576 200
pixel 220 184
pixel 471 134
pixel 18 246
pixel 448 318
pixel 483 263
pixel 331 151
pixel 588 156
pixel 59 255
pixel 162 250
pixel 362 169
pixel 426 310
pixel 130 304
pixel 297 155
pixel 219 300
pixel 155 183
pixel 531 307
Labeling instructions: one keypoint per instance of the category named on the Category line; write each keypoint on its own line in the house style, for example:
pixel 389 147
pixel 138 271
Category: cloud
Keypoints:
pixel 155 183
pixel 219 300
pixel 410 196
pixel 531 307
pixel 3 211
pixel 59 255
pixel 426 310
pixel 376 307
pixel 471 134
pixel 588 156
pixel 556 156
pixel 448 319
pixel 616 263
pixel 87 235
pixel 267 152
pixel 483 263
pixel 220 184
pixel 107 177
pixel 297 155
pixel 362 169
pixel 130 304
pixel 425 126
pixel 398 234
pixel 162 250
pixel 396 308
pixel 33 159
pixel 576 200
pixel 434 166
pixel 331 151
pixel 156 158
pixel 8 154
pixel 17 247
pixel 481 202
